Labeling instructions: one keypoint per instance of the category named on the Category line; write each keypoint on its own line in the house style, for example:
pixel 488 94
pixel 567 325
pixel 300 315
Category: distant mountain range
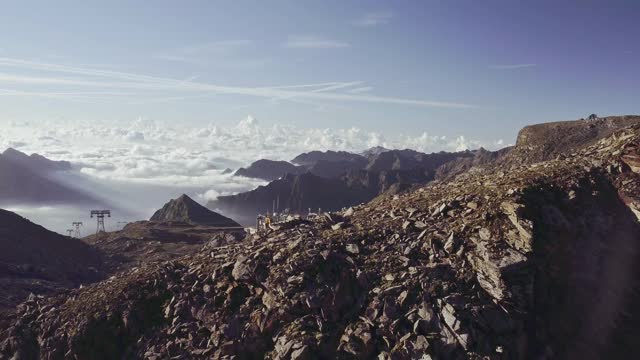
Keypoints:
pixel 331 180
pixel 35 179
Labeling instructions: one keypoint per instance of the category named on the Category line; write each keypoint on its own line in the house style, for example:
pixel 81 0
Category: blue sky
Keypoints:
pixel 482 69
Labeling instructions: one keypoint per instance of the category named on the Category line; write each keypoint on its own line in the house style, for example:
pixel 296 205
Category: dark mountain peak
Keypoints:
pixel 269 169
pixel 185 209
pixel 33 162
pixel 184 198
pixel 13 154
pixel 26 179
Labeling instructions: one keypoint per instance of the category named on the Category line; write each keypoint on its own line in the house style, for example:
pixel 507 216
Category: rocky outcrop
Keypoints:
pixel 545 141
pixel 186 210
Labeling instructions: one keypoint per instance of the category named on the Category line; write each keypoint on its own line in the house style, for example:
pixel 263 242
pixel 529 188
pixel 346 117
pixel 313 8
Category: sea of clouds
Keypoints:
pixel 141 165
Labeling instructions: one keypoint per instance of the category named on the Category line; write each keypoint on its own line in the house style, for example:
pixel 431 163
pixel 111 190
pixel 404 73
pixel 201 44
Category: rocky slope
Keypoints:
pixel 36 260
pixel 145 242
pixel 540 261
pixel 185 210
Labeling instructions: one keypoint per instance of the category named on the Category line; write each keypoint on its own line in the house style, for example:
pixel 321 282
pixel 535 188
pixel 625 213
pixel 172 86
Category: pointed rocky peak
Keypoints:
pixel 185 209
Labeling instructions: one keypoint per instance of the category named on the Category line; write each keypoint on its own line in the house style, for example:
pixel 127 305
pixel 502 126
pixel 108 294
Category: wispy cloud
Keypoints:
pixel 373 19
pixel 313 42
pixel 159 87
pixel 512 66
pixel 362 89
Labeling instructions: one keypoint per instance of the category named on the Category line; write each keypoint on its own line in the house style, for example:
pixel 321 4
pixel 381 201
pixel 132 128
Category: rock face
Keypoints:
pixel 269 170
pixel 36 260
pixel 537 262
pixel 28 179
pixel 336 169
pixel 186 210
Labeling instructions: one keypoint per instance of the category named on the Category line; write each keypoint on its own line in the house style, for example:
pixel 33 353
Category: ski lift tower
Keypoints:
pixel 100 214
pixel 76 226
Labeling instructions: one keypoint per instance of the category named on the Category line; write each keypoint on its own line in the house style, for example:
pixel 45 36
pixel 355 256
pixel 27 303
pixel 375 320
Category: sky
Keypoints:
pixel 481 69
pixel 171 93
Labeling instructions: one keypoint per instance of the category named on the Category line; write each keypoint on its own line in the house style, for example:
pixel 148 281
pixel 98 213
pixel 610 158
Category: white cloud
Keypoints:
pixel 313 42
pixel 208 195
pixel 512 66
pixel 134 136
pixel 151 88
pixel 373 19
pixel 359 90
pixel 196 156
